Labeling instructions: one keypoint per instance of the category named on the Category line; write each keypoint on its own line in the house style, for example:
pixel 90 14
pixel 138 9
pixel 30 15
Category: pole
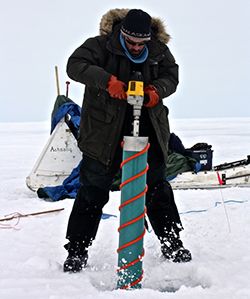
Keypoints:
pixel 223 201
pixel 57 81
pixel 18 215
pixel 67 88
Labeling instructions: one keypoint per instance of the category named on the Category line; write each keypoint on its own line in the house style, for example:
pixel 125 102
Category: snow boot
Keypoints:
pixel 173 249
pixel 77 257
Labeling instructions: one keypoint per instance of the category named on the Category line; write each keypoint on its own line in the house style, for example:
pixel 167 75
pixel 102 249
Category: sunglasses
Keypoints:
pixel 129 41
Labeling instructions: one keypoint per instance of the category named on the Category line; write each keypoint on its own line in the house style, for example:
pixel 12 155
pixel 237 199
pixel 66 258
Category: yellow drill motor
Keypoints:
pixel 135 97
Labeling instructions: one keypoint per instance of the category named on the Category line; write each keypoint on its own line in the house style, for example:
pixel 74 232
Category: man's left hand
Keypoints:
pixel 151 97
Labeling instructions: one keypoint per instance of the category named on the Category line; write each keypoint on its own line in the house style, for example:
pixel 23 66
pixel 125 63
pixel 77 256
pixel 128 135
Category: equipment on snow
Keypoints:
pixel 18 215
pixel 57 160
pixel 233 164
pixel 224 175
pixel 61 153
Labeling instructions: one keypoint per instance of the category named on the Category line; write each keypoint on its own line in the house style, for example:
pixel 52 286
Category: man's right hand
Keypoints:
pixel 117 88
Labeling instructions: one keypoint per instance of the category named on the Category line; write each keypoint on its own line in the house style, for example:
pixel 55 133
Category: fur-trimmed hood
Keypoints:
pixel 115 16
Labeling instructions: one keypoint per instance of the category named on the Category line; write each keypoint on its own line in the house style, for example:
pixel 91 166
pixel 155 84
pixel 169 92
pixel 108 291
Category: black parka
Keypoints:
pixel 94 62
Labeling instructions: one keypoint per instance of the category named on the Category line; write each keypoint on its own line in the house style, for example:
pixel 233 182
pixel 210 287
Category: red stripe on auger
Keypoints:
pixel 134 177
pixel 133 283
pixel 133 198
pixel 133 221
pixel 132 242
pixel 135 155
pixel 132 263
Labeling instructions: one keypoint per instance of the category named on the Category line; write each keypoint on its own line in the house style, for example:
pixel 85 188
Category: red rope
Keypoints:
pixel 135 155
pixel 134 177
pixel 9 226
pixel 133 221
pixel 136 219
pixel 132 242
pixel 132 263
pixel 133 198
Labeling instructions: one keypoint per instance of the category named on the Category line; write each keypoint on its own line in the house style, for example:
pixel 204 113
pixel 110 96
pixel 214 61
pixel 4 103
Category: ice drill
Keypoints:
pixel 133 190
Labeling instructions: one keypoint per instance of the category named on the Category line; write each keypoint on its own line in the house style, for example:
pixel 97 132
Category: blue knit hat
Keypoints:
pixel 137 24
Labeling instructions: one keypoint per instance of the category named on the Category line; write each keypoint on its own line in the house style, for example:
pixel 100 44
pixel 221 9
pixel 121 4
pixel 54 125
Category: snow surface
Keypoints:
pixel 32 254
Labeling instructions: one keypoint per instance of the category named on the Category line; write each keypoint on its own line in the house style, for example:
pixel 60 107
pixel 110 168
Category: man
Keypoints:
pixel 129 41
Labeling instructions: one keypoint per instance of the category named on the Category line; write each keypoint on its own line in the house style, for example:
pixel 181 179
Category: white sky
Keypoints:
pixel 210 41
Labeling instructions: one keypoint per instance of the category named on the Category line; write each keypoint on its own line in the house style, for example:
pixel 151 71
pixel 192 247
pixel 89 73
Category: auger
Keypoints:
pixel 133 190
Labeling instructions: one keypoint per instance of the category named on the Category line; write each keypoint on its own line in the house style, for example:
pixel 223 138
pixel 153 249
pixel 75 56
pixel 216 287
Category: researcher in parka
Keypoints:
pixel 129 41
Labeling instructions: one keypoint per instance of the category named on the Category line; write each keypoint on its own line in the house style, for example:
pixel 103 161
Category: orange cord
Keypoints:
pixel 135 176
pixel 132 242
pixel 133 221
pixel 135 155
pixel 133 198
pixel 132 263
